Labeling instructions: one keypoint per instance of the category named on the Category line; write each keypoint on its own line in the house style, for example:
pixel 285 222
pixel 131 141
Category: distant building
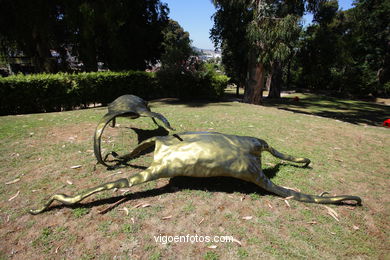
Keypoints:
pixel 206 55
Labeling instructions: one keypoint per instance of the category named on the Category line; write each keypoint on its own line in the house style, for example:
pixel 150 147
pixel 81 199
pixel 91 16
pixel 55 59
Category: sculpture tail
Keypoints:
pixel 98 135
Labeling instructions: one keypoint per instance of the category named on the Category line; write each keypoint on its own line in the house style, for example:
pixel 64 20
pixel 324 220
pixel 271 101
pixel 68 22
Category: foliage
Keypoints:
pixel 204 82
pixel 229 33
pixel 183 75
pixel 122 34
pixel 62 91
pixel 177 47
pixel 256 38
pixel 347 52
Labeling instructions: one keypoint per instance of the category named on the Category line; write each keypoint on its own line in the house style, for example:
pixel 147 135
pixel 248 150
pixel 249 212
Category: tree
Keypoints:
pixel 29 26
pixel 267 32
pixel 369 24
pixel 123 34
pixel 229 34
pixel 176 45
pixel 347 52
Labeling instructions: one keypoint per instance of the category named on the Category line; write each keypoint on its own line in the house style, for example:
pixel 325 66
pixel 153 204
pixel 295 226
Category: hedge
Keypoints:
pixel 56 92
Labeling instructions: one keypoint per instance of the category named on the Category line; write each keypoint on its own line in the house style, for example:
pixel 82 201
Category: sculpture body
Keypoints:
pixel 204 154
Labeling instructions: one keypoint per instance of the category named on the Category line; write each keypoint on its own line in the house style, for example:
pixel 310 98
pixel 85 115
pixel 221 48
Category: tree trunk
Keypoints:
pixel 254 86
pixel 43 61
pixel 275 80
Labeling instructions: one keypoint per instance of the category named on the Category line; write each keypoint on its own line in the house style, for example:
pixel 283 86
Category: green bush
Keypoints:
pixel 56 92
pixel 203 83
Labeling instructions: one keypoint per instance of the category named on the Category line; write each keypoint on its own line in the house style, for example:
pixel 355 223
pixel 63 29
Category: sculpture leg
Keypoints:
pixel 113 122
pixel 138 150
pixel 287 157
pixel 265 183
pixel 138 178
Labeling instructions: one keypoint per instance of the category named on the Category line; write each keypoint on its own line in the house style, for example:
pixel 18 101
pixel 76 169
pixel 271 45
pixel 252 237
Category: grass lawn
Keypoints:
pixel 348 148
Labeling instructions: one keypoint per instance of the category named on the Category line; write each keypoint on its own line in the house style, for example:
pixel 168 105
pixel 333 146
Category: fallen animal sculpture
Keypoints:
pixel 204 154
pixel 129 106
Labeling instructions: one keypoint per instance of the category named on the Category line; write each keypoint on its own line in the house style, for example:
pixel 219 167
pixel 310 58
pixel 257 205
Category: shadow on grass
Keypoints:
pixel 177 184
pixel 190 103
pixel 351 111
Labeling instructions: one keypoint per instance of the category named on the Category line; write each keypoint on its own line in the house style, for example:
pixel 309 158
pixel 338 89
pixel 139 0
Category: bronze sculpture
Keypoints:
pixel 129 106
pixel 204 154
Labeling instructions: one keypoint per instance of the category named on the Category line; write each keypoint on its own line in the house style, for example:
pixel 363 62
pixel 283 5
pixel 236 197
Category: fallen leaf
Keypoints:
pixel 167 217
pixel 13 181
pixel 75 166
pixel 247 217
pixel 111 206
pixel 138 205
pixel 332 213
pixel 237 241
pixel 13 197
pixel 212 246
pixel 126 210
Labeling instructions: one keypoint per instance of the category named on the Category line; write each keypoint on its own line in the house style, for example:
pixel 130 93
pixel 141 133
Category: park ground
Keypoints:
pixel 42 154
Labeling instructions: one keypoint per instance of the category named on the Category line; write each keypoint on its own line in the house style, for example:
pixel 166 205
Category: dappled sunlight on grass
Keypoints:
pixel 351 111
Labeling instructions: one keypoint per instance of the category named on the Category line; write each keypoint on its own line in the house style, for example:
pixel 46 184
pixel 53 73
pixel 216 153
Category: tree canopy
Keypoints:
pixel 347 52
pixel 264 44
pixel 122 34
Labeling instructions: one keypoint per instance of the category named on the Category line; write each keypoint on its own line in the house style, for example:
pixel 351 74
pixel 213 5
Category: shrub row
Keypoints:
pixel 56 92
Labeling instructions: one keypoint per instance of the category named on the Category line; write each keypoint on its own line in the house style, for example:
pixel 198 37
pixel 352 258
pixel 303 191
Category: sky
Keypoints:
pixel 195 16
